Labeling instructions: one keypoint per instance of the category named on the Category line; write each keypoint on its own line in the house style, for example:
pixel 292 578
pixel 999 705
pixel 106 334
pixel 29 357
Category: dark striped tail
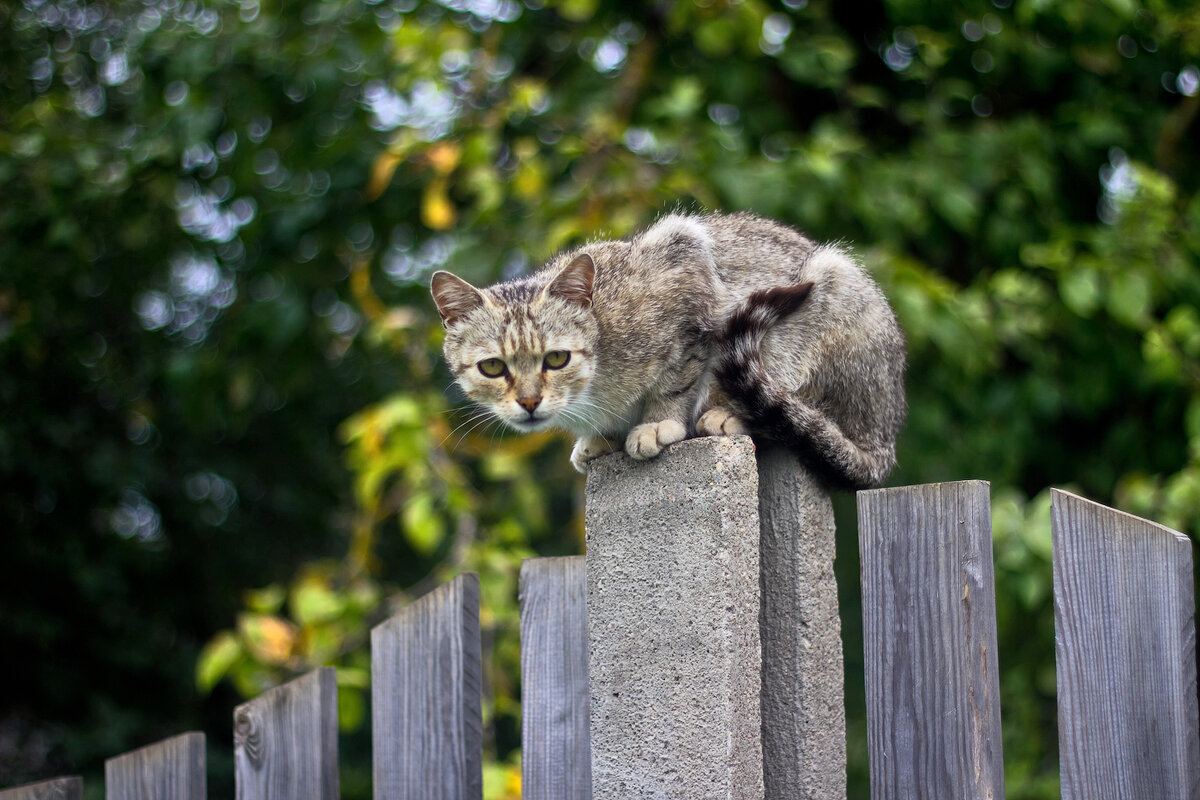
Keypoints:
pixel 739 369
pixel 759 312
pixel 773 414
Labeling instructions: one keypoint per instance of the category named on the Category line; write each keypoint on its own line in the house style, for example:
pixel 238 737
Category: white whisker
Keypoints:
pixel 587 402
pixel 487 421
pixel 573 415
pixel 475 420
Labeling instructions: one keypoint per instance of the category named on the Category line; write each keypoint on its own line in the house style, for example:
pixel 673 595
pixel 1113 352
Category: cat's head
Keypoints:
pixel 524 350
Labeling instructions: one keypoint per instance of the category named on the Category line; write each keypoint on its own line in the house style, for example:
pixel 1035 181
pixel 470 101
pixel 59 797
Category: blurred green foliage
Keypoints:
pixel 227 448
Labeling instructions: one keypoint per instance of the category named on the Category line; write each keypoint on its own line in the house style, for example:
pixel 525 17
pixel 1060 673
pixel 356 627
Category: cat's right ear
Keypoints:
pixel 574 283
pixel 455 297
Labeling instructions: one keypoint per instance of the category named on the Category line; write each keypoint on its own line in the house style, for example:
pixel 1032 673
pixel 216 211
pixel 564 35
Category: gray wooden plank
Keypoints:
pixel 54 789
pixel 426 679
pixel 556 754
pixel 1125 640
pixel 172 769
pixel 285 741
pixel 803 707
pixel 929 632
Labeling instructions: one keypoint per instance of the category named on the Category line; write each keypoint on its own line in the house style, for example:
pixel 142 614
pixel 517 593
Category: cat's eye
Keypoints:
pixel 557 359
pixel 492 367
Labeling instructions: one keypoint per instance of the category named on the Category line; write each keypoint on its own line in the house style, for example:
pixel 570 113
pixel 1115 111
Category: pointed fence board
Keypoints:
pixel 285 741
pixel 56 789
pixel 1125 640
pixel 426 687
pixel 172 769
pixel 929 633
pixel 556 755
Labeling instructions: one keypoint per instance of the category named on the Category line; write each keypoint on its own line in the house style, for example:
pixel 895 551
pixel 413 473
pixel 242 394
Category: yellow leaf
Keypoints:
pixel 364 293
pixel 381 174
pixel 437 211
pixel 530 180
pixel 512 783
pixel 529 93
pixel 269 639
pixel 444 157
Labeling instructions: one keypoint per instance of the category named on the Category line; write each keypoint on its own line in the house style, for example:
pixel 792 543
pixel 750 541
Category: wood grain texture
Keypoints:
pixel 55 789
pixel 426 693
pixel 803 708
pixel 556 753
pixel 1125 637
pixel 173 769
pixel 285 741
pixel 929 631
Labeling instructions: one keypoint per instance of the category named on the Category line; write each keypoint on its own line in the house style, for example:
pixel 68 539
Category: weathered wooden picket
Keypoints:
pixel 658 666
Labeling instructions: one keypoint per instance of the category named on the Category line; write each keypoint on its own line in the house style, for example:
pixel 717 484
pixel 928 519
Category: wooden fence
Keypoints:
pixel 1125 642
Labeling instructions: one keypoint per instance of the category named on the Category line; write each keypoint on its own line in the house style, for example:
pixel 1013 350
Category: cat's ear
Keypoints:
pixel 455 297
pixel 574 283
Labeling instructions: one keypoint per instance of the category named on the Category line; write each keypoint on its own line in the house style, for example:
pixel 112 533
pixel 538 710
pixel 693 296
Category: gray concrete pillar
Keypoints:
pixel 803 704
pixel 673 624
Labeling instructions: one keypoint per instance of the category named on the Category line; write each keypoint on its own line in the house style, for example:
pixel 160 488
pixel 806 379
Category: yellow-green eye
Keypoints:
pixel 557 359
pixel 492 367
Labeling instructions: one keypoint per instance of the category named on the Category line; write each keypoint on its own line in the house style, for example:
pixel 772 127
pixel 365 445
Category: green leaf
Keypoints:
pixel 422 525
pixel 1129 299
pixel 958 205
pixel 352 708
pixel 577 10
pixel 1035 530
pixel 1081 290
pixel 1183 323
pixel 216 658
pixel 314 602
pixel 1191 424
pixel 683 99
pixel 267 600
pixel 354 677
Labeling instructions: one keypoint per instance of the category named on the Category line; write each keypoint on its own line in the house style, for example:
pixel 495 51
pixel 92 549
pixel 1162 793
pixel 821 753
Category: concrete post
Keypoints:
pixel 673 624
pixel 803 705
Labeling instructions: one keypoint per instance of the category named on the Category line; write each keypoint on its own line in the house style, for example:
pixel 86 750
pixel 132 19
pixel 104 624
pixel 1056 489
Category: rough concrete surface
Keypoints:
pixel 803 708
pixel 673 621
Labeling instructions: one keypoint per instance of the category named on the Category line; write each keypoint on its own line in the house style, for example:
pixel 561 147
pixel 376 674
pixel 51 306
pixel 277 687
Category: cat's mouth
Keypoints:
pixel 530 423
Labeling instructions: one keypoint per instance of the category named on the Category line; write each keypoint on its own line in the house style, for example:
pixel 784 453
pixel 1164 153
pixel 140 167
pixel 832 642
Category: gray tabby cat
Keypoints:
pixel 712 324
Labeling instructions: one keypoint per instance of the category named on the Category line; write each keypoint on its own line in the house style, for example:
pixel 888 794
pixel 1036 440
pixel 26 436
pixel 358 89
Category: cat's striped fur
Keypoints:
pixel 701 324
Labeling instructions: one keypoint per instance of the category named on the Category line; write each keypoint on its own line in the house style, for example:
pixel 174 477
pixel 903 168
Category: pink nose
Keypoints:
pixel 529 403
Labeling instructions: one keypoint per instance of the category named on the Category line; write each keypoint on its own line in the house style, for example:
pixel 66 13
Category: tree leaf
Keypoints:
pixel 216 658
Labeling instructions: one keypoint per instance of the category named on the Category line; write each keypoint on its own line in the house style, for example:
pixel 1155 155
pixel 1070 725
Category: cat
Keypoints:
pixel 702 324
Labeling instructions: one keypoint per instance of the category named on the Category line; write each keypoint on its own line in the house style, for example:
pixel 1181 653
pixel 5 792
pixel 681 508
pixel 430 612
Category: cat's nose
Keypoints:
pixel 529 403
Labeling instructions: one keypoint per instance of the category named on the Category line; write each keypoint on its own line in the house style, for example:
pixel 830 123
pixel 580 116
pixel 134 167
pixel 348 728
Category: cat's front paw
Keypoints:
pixel 718 421
pixel 588 448
pixel 648 440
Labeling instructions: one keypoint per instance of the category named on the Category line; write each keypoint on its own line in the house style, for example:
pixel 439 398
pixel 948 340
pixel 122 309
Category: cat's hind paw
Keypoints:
pixel 648 440
pixel 588 448
pixel 718 421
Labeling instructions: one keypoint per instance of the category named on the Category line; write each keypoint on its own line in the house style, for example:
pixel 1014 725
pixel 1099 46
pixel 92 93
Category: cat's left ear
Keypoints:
pixel 574 283
pixel 455 297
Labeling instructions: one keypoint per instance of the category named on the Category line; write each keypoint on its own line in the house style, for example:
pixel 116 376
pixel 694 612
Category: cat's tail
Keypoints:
pixel 772 413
